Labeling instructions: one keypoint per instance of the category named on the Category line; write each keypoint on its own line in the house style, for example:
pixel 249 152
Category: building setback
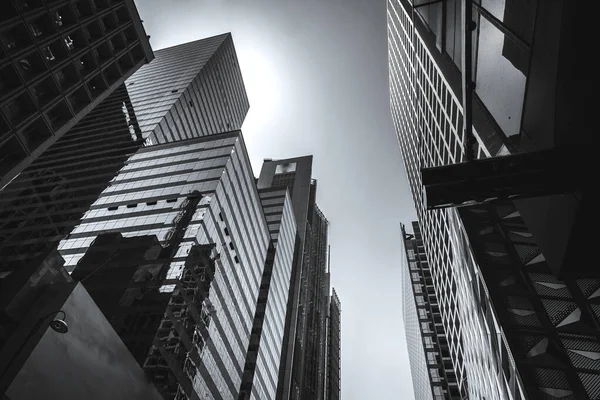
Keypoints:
pixel 58 61
pixel 302 369
pixel 517 321
pixel 428 350
pixel 264 353
pixel 193 209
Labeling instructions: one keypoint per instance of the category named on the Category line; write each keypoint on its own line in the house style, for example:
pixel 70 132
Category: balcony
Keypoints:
pixel 94 31
pixel 67 77
pixel 109 22
pixel 34 134
pixel 19 109
pixel 41 26
pixel 45 91
pixel 9 80
pixel 112 73
pixel 79 100
pixel 11 154
pixel 15 39
pixel 63 17
pixel 7 11
pixel 96 85
pixel 84 9
pixel 86 64
pixel 59 115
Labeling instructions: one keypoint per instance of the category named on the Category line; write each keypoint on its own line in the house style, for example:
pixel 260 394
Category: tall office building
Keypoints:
pixel 205 96
pixel 190 90
pixel 333 389
pixel 261 373
pixel 519 323
pixel 176 248
pixel 428 348
pixel 302 368
pixel 59 60
pixel 45 202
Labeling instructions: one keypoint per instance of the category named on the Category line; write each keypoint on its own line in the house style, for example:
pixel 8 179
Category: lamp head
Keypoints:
pixel 59 325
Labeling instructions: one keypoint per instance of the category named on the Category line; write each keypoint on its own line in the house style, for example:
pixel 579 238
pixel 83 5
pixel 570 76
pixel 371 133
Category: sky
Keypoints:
pixel 316 75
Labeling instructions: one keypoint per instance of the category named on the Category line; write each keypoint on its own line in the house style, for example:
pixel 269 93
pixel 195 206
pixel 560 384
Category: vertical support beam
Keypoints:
pixel 468 26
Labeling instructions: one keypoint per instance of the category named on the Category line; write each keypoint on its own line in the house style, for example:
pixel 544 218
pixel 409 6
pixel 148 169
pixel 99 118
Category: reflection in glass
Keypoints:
pixel 500 85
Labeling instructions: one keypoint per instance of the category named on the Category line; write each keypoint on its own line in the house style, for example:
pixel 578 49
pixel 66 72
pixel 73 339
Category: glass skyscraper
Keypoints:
pixel 205 95
pixel 516 319
pixel 264 355
pixel 190 90
pixel 150 203
pixel 428 350
pixel 302 370
pixel 198 199
pixel 58 61
pixel 43 204
pixel 333 389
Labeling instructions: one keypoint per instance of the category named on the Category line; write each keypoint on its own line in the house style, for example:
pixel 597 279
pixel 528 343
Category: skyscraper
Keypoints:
pixel 57 63
pixel 333 389
pixel 504 304
pixel 261 373
pixel 302 370
pixel 428 349
pixel 45 202
pixel 192 211
pixel 190 90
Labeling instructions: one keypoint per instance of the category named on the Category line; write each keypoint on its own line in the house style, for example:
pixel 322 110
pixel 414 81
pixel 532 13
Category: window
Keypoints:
pixel 221 217
pixel 236 259
pixel 226 231
pixel 435 375
pixel 231 246
pixel 285 168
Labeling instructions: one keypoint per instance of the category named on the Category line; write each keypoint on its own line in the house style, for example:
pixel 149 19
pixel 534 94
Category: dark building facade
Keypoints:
pixel 429 353
pixel 45 202
pixel 174 250
pixel 78 372
pixel 190 90
pixel 302 370
pixel 333 379
pixel 60 187
pixel 58 61
pixel 520 60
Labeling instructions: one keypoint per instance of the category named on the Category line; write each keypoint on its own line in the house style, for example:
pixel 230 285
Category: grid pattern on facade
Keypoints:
pixel 282 226
pixel 426 116
pixel 500 53
pixel 333 387
pixel 45 202
pixel 412 330
pixel 190 90
pixel 312 309
pixel 429 353
pixel 57 61
pixel 148 197
pixel 551 324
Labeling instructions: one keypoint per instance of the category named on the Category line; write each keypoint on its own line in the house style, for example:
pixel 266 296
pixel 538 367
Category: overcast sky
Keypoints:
pixel 317 80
